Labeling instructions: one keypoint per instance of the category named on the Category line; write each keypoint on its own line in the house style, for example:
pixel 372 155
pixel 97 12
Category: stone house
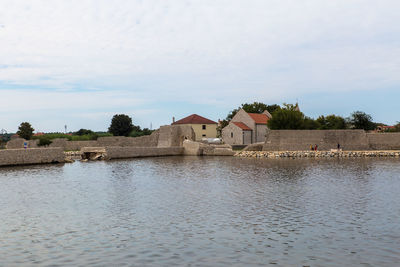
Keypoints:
pixel 202 127
pixel 246 128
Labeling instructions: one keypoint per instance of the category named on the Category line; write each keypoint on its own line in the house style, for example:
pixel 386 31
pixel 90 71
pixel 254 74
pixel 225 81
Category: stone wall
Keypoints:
pixel 192 148
pixel 254 147
pixel 174 135
pixel 142 141
pixel 17 143
pixel 136 152
pixel 166 136
pixel 334 153
pixel 384 141
pixel 10 157
pixel 300 140
pixel 233 135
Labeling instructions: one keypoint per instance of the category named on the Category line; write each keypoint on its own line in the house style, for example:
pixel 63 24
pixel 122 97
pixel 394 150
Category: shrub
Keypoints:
pixel 44 141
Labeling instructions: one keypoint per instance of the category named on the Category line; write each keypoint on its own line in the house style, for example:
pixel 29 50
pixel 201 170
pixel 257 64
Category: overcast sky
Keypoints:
pixel 77 63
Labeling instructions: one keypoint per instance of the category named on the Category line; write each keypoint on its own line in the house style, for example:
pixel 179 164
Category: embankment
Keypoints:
pixel 350 140
pixel 12 157
pixel 318 154
pixel 139 152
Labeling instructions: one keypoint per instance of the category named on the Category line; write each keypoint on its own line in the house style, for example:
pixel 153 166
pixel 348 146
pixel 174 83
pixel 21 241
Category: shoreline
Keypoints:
pixel 320 154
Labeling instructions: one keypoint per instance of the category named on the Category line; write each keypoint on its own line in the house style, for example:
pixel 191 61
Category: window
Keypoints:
pixel 204 127
pixel 231 135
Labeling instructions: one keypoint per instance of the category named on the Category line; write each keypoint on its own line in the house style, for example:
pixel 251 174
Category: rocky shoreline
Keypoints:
pixel 318 154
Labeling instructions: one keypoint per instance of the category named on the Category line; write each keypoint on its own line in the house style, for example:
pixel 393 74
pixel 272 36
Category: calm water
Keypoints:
pixel 191 211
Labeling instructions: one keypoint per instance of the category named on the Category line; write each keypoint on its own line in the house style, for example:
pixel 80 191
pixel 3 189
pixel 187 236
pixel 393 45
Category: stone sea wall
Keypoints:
pixel 384 141
pixel 136 152
pixel 318 154
pixel 192 148
pixel 173 136
pixel 11 157
pixel 299 140
pixel 351 140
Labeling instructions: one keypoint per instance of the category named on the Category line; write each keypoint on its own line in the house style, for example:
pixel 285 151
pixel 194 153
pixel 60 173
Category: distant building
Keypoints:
pixel 384 128
pixel 203 127
pixel 246 128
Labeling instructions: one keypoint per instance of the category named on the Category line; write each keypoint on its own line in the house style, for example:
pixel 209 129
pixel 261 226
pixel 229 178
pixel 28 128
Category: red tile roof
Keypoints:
pixel 259 118
pixel 194 119
pixel 242 126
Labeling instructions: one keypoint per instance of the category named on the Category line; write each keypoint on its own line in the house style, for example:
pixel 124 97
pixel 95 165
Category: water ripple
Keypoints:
pixel 202 212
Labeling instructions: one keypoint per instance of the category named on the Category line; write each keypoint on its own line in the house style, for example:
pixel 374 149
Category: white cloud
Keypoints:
pixel 201 51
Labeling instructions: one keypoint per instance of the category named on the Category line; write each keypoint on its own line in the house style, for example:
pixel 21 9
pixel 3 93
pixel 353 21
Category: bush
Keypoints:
pixel 84 132
pixel 44 141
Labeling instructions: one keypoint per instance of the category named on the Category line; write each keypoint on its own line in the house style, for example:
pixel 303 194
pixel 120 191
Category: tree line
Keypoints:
pixel 289 117
pixel 121 125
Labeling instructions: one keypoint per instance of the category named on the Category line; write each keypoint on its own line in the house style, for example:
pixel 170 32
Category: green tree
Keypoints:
pixel 361 120
pixel 331 122
pixel 84 132
pixel 288 117
pixel 25 130
pixel 44 141
pixel 256 107
pixel 310 124
pixel 121 125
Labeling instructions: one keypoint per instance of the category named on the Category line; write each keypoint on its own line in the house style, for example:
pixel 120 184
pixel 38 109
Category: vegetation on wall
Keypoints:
pixel 289 116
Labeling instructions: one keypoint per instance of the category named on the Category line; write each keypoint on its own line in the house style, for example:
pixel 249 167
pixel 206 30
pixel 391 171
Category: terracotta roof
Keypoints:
pixel 242 126
pixel 259 118
pixel 194 119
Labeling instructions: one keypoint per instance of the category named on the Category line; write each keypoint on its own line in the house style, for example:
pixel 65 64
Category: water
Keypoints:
pixel 190 211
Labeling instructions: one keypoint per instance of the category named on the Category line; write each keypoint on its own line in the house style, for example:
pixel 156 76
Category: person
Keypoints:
pixel 316 147
pixel 311 148
pixel 338 146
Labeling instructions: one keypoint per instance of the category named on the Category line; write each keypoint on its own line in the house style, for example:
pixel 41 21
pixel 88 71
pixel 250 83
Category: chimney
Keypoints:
pixel 173 119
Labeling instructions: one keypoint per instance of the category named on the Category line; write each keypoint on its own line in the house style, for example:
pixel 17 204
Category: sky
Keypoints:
pixel 79 62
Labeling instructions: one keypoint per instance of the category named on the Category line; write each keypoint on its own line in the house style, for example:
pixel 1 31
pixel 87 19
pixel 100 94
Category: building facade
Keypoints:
pixel 246 128
pixel 203 127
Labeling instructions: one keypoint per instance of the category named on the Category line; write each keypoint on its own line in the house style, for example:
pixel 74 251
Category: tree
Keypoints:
pixel 25 130
pixel 310 124
pixel 84 132
pixel 44 141
pixel 331 122
pixel 288 117
pixel 121 125
pixel 256 107
pixel 361 120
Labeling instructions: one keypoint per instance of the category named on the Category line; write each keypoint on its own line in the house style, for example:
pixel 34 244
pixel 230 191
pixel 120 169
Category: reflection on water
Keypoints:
pixel 202 212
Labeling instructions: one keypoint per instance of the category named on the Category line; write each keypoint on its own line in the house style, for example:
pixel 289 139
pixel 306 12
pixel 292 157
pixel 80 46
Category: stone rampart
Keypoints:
pixel 139 152
pixel 300 140
pixel 174 135
pixel 334 153
pixel 11 157
pixel 192 148
pixel 384 141
pixel 166 136
pixel 17 143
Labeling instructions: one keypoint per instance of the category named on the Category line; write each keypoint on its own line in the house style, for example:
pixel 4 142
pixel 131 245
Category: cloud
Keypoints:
pixel 205 52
